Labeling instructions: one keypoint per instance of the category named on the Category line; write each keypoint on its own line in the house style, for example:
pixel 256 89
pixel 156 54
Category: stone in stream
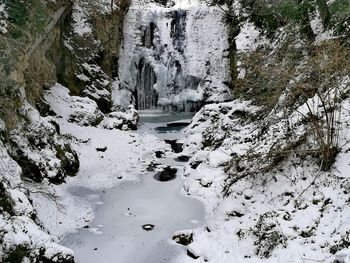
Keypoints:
pixel 182 158
pixel 101 149
pixel 159 154
pixel 195 164
pixel 152 167
pixel 167 174
pixel 192 254
pixel 175 146
pixel 183 238
pixel 148 227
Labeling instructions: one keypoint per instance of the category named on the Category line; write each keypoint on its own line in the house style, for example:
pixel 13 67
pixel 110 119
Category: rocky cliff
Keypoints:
pixel 41 43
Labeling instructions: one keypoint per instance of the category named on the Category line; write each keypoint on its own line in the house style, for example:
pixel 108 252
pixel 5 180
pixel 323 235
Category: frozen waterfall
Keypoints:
pixel 173 58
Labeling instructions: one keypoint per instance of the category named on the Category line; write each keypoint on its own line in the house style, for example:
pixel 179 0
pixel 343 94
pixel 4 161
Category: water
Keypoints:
pixel 116 235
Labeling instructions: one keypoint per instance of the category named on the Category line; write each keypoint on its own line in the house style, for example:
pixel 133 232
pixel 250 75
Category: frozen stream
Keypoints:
pixel 116 234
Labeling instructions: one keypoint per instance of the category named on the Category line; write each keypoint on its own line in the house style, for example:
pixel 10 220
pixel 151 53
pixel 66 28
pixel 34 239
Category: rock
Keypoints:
pixel 342 256
pixel 167 174
pixel 148 227
pixel 195 164
pixel 44 108
pixel 183 238
pixel 102 149
pixel 175 146
pixel 152 167
pixel 29 139
pixel 84 112
pixel 205 183
pixel 121 120
pixel 182 158
pixel 192 254
pixel 235 214
pixel 159 154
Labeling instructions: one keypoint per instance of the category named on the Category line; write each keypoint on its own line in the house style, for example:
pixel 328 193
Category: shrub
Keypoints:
pixel 323 75
pixel 18 11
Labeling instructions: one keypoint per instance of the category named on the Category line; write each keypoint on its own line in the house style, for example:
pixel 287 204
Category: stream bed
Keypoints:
pixel 117 234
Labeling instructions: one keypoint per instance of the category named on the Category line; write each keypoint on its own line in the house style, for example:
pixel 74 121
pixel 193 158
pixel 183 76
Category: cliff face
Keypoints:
pixel 41 43
pixel 91 50
pixel 33 30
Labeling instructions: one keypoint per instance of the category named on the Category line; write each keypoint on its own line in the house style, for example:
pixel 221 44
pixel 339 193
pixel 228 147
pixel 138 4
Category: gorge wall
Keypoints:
pixel 43 42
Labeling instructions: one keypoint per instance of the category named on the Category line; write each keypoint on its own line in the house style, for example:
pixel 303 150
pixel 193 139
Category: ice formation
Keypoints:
pixel 173 58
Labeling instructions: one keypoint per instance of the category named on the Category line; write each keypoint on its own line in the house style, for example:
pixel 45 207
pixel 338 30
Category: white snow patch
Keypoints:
pixel 249 38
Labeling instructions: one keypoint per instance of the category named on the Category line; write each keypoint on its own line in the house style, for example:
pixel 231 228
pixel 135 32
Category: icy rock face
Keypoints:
pixel 174 58
pixel 39 149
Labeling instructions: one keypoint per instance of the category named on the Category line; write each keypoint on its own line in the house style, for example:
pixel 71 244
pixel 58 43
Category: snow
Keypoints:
pixel 110 182
pixel 83 111
pixel 316 23
pixel 249 38
pixel 3 17
pixel 293 200
pixel 186 4
pixel 81 25
pixel 306 208
pixel 324 36
pixel 20 229
pixel 218 158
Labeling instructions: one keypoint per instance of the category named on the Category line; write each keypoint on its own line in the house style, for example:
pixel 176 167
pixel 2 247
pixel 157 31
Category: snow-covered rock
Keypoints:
pixel 85 112
pixel 20 234
pixel 39 149
pixel 121 120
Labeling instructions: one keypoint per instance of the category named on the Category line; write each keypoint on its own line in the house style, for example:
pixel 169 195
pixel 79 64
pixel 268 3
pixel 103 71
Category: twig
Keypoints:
pixel 312 182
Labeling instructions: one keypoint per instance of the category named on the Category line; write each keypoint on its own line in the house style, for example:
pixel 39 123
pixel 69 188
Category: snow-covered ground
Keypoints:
pixel 292 213
pixel 113 195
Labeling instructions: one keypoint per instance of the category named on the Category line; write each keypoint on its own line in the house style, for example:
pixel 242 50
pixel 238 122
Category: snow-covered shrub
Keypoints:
pixel 268 235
